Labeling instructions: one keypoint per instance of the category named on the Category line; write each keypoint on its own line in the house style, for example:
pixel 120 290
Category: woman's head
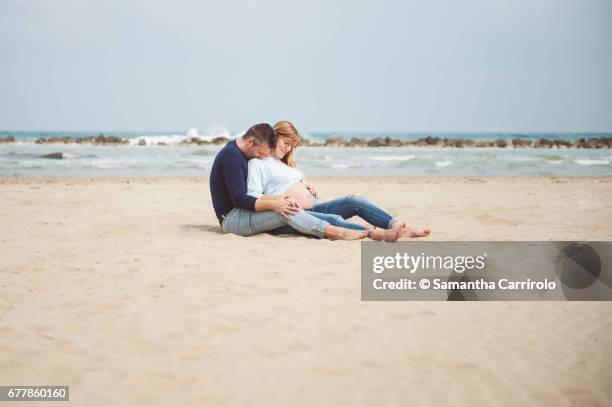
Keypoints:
pixel 287 139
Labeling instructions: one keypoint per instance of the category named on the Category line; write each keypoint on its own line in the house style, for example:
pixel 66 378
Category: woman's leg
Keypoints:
pixel 305 223
pixel 337 220
pixel 388 235
pixel 353 205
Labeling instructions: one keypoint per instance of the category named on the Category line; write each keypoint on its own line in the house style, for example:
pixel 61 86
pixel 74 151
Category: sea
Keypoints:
pixel 164 156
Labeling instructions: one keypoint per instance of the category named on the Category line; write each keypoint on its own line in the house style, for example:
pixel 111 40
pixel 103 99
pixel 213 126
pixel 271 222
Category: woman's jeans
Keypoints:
pixel 246 223
pixel 338 210
pixel 353 205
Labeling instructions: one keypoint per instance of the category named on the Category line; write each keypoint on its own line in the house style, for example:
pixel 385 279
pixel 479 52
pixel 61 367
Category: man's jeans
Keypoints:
pixel 246 223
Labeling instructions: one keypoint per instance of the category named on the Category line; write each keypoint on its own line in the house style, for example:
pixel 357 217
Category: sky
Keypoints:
pixel 396 65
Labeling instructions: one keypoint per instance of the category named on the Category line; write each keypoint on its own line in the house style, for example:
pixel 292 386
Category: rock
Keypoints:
pixel 562 143
pixel 543 143
pixel 379 142
pixel 518 143
pixel 54 156
pixel 142 142
pixel 580 143
pixel 357 142
pixel 457 143
pixel 592 143
pixel 430 141
pixel 501 143
pixel 391 142
pixel 7 139
pixel 220 140
pixel 102 139
pixel 335 142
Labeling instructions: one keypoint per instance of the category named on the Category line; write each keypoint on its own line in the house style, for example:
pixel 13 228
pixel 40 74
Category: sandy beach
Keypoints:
pixel 126 290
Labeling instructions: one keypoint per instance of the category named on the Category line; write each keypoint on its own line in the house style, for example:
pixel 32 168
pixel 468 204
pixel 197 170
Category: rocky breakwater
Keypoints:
pixel 600 142
pixel 101 139
pixel 596 142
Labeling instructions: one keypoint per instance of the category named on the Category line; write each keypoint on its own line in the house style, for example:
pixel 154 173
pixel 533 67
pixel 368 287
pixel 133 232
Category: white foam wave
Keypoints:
pixel 443 163
pixel 176 139
pixel 393 158
pixel 592 161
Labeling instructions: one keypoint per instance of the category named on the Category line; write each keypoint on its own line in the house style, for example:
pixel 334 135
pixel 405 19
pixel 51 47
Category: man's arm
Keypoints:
pixel 234 181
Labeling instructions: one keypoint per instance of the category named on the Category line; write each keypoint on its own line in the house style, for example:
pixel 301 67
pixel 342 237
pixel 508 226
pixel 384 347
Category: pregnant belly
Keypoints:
pixel 301 194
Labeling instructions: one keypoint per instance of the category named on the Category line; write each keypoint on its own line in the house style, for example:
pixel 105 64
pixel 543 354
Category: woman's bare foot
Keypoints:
pixel 336 233
pixel 388 235
pixel 410 233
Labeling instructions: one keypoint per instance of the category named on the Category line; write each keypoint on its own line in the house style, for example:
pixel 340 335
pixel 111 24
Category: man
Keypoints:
pixel 245 215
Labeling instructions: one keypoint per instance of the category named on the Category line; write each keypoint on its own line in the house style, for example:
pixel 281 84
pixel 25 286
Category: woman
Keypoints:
pixel 278 175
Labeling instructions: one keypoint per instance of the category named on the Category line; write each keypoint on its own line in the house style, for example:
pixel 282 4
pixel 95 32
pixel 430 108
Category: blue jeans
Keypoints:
pixel 353 205
pixel 336 220
pixel 246 223
pixel 338 210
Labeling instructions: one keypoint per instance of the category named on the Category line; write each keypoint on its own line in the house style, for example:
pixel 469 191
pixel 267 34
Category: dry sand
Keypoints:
pixel 125 289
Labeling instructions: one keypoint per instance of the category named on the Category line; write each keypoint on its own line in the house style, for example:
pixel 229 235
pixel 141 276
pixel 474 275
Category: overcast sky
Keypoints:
pixel 479 65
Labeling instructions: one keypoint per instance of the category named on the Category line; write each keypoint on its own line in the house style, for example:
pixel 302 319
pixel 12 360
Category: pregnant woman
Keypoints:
pixel 278 175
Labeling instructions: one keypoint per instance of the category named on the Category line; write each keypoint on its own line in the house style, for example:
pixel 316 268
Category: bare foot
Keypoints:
pixel 411 233
pixel 388 235
pixel 336 233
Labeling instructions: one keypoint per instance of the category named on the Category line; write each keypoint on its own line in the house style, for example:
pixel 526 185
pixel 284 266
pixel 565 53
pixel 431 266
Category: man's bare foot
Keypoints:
pixel 406 232
pixel 388 235
pixel 336 233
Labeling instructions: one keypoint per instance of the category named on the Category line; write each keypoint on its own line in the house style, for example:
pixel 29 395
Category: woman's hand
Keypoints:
pixel 312 190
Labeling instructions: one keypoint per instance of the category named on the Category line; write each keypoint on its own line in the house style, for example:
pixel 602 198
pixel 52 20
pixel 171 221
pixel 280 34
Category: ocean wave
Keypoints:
pixel 176 139
pixel 443 163
pixel 592 161
pixel 392 158
pixel 59 156
pixel 203 153
pixel 194 163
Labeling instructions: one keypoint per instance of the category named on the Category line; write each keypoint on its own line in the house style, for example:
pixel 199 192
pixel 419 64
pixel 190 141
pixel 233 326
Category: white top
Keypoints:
pixel 270 176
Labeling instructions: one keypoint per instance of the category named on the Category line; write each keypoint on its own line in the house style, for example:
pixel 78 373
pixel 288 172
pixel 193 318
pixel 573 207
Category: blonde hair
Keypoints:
pixel 286 130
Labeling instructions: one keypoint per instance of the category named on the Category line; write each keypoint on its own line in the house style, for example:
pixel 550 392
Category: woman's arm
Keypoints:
pixel 311 189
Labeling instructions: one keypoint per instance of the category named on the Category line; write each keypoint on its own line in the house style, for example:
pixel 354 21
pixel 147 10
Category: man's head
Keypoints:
pixel 258 141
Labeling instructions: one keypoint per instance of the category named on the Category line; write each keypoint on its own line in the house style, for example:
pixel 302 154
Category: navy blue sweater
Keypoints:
pixel 228 181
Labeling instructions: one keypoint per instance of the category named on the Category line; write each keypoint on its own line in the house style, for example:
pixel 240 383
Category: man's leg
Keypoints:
pixel 353 205
pixel 285 230
pixel 247 223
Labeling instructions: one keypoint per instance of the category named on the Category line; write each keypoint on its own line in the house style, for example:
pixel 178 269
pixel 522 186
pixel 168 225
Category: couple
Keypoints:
pixel 256 187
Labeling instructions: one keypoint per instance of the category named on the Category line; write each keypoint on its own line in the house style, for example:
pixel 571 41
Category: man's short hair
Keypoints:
pixel 262 133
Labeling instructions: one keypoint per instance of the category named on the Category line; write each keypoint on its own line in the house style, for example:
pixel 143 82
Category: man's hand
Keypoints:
pixel 293 201
pixel 284 207
pixel 312 190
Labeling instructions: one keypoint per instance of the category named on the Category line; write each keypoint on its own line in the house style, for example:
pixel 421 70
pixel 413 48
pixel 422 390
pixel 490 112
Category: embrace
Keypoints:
pixel 256 187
